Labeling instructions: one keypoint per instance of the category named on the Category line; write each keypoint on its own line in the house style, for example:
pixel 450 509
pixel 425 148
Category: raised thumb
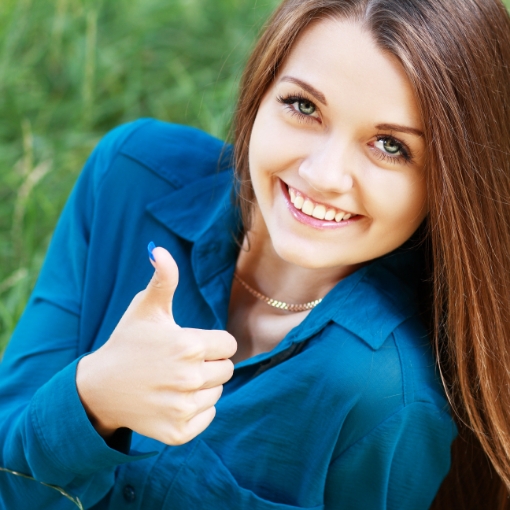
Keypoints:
pixel 161 288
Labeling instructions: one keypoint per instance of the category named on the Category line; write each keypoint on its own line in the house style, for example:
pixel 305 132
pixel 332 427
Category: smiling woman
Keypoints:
pixel 281 356
pixel 328 130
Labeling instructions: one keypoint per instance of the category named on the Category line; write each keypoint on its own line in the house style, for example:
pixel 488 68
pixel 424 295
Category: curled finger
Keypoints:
pixel 217 372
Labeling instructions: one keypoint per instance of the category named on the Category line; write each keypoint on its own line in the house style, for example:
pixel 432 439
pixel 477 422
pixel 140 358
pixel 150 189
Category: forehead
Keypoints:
pixel 342 60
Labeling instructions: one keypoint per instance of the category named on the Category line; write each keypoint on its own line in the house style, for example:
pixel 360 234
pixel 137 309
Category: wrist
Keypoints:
pixel 90 393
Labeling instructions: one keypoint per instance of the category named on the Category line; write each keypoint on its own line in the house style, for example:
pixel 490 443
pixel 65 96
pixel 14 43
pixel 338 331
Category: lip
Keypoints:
pixel 309 220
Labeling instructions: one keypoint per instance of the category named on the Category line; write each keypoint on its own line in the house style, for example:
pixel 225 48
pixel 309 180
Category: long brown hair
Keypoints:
pixel 456 54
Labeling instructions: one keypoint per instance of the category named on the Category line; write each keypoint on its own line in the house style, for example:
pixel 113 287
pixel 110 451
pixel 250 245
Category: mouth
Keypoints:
pixel 314 214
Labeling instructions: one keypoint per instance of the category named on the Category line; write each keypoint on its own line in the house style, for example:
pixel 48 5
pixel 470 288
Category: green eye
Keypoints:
pixel 392 150
pixel 306 107
pixel 391 146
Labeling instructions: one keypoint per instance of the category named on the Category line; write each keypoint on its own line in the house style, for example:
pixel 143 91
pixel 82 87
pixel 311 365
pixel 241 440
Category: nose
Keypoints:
pixel 329 167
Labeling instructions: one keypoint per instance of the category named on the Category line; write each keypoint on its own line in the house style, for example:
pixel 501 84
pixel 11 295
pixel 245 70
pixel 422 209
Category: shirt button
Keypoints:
pixel 129 493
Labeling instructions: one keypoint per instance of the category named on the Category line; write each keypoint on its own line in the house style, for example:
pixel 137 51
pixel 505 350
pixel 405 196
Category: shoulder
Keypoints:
pixel 380 356
pixel 398 378
pixel 168 150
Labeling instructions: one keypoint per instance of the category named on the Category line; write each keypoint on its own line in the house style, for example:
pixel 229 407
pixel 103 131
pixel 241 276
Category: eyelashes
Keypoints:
pixel 289 101
pixel 405 156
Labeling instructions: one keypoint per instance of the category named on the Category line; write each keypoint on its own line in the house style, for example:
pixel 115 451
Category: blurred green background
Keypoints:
pixel 70 70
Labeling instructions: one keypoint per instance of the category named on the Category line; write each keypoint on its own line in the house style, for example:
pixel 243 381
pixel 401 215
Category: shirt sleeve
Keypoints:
pixel 397 466
pixel 44 430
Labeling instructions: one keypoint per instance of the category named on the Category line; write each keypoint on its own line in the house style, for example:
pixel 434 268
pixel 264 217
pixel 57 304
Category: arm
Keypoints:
pixel 44 430
pixel 150 376
pixel 397 466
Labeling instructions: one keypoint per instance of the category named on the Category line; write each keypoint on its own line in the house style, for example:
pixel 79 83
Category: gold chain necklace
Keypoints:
pixel 274 302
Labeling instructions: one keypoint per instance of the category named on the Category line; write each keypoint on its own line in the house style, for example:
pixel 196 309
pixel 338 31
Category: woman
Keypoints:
pixel 371 159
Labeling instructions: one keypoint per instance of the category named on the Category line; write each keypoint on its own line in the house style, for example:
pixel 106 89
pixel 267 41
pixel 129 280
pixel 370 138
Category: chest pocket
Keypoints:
pixel 204 482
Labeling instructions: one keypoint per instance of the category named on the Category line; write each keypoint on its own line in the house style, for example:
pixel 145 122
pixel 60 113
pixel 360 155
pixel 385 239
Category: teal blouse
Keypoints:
pixel 346 412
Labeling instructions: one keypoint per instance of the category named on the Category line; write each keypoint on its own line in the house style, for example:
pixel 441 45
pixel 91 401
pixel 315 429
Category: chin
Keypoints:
pixel 302 258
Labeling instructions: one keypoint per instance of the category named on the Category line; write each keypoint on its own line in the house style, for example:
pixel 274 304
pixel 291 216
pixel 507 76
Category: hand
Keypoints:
pixel 153 376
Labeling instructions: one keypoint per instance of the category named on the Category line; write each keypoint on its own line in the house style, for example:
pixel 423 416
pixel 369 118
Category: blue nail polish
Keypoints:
pixel 150 248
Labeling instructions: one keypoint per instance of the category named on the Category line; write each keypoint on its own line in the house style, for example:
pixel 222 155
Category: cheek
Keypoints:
pixel 398 199
pixel 274 146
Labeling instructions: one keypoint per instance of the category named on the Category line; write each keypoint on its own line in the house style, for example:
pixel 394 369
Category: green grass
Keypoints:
pixel 70 70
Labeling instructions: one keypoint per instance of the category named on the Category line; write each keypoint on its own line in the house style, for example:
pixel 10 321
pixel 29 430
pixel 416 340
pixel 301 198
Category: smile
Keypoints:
pixel 315 214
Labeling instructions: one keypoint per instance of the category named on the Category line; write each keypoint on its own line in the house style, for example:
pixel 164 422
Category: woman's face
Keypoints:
pixel 336 153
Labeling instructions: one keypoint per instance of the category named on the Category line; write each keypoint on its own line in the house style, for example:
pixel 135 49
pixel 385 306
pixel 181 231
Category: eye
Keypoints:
pixel 389 145
pixel 306 107
pixel 392 150
pixel 300 106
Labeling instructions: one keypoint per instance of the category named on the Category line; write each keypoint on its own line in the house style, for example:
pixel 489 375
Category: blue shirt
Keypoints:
pixel 346 412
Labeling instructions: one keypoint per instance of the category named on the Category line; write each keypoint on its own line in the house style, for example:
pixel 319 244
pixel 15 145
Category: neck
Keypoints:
pixel 262 268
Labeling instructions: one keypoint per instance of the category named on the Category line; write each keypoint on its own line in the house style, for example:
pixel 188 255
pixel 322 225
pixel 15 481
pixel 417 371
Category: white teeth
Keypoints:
pixel 330 214
pixel 319 212
pixel 298 202
pixel 308 207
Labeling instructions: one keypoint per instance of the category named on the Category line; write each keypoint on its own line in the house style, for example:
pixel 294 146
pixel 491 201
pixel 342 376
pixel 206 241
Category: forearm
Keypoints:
pixel 52 440
pixel 44 430
pixel 44 438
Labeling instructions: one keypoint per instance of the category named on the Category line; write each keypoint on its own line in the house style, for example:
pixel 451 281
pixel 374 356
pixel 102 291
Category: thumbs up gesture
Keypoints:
pixel 153 376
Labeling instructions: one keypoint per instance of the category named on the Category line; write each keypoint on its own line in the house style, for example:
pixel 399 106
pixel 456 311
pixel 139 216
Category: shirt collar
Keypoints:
pixel 195 209
pixel 370 303
pixel 388 288
pixel 203 213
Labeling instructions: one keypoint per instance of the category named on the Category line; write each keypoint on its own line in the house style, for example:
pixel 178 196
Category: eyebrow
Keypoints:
pixel 401 129
pixel 322 98
pixel 306 86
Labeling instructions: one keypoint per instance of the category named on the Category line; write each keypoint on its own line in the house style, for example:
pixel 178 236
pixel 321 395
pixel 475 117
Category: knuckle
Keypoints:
pixel 189 382
pixel 196 381
pixel 185 413
pixel 192 350
pixel 175 427
pixel 190 406
pixel 183 434
pixel 174 436
pixel 180 382
pixel 187 436
pixel 180 411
